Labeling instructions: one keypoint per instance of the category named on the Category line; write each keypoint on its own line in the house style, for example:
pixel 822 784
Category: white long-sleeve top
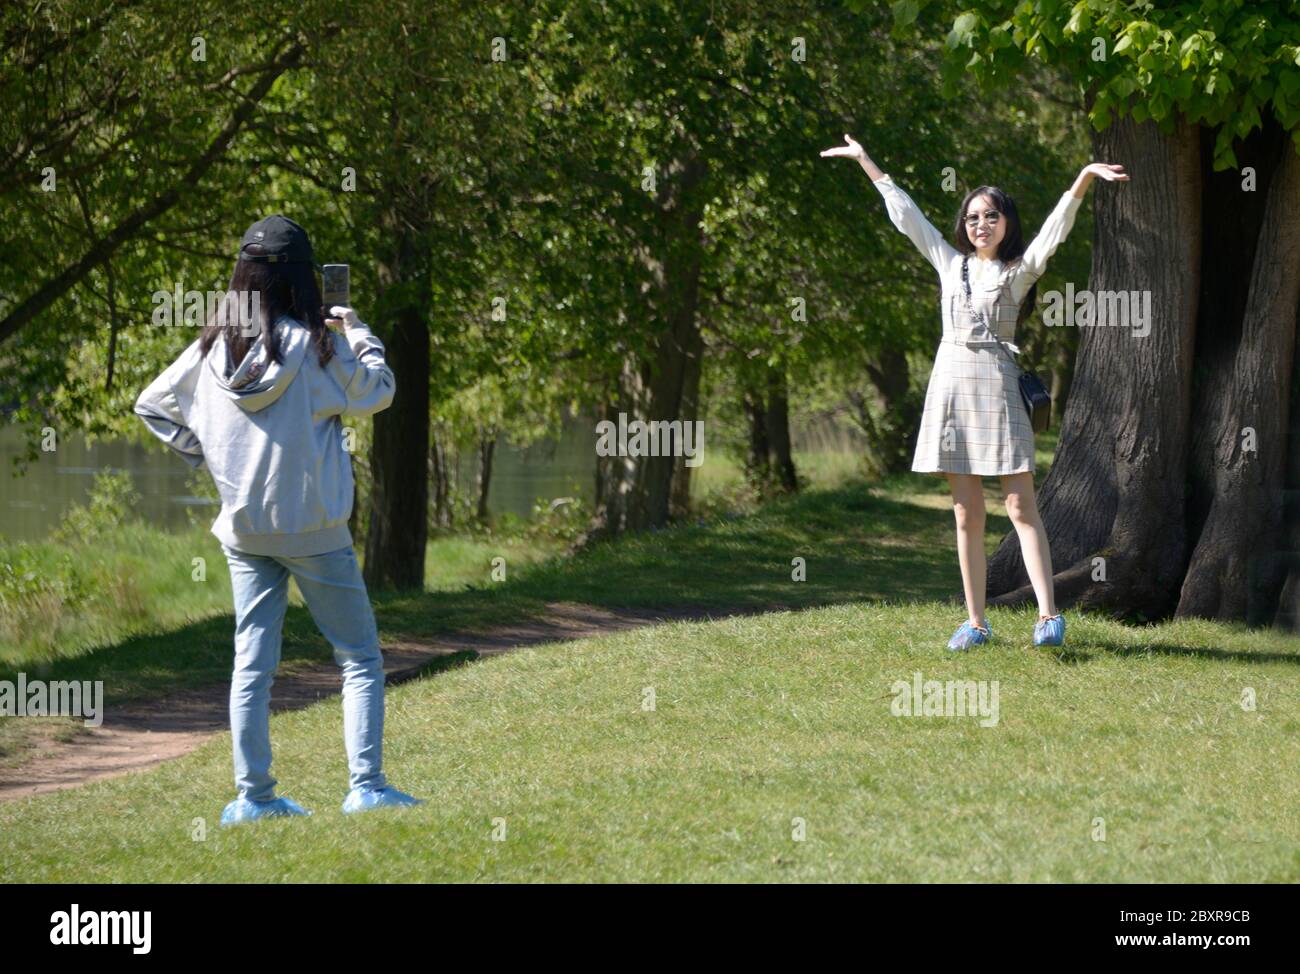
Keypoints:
pixel 996 290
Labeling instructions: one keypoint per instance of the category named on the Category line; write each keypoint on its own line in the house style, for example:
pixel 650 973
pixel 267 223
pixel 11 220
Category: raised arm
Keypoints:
pixel 903 211
pixel 364 375
pixel 1057 226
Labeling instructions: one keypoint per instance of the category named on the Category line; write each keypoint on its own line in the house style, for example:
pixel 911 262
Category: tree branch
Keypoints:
pixel 107 245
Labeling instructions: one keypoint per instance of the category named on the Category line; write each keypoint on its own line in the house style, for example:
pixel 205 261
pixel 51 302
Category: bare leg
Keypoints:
pixel 1018 489
pixel 968 507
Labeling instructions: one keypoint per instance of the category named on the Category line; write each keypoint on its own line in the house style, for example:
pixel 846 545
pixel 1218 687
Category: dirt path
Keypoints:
pixel 138 736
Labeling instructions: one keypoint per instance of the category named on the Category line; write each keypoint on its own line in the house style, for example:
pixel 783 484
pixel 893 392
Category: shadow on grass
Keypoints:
pixel 855 544
pixel 855 547
pixel 1182 652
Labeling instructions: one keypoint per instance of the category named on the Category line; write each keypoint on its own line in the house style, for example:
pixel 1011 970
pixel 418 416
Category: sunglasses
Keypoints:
pixel 993 216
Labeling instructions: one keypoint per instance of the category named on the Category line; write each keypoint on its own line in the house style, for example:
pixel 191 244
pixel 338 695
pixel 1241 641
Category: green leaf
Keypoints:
pixel 905 12
pixel 963 29
pixel 1078 17
pixel 1123 86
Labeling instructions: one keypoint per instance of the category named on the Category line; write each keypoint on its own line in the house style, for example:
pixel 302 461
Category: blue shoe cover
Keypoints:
pixel 364 799
pixel 967 636
pixel 247 810
pixel 1050 631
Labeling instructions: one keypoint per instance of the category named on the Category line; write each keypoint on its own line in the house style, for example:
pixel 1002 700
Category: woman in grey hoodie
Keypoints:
pixel 257 400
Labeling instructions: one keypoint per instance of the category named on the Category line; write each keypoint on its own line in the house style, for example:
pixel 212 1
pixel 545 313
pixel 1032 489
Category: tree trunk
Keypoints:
pixel 440 479
pixel 635 493
pixel 896 433
pixel 1116 489
pixel 354 517
pixel 1061 374
pixel 399 495
pixel 778 430
pixel 1242 411
pixel 617 475
pixel 487 445
pixel 760 449
pixel 1288 607
pixel 680 503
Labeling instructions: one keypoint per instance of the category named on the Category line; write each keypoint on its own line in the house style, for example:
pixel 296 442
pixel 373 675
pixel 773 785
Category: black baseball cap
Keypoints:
pixel 282 239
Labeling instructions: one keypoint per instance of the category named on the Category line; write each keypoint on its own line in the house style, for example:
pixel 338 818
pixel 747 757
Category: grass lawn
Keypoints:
pixel 145 626
pixel 129 611
pixel 758 723
pixel 698 751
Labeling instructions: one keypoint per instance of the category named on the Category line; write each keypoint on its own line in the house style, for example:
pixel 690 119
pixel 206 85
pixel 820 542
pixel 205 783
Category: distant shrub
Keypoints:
pixel 35 594
pixel 113 499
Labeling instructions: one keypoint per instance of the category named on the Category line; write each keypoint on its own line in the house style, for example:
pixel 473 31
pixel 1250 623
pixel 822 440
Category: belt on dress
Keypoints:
pixel 980 343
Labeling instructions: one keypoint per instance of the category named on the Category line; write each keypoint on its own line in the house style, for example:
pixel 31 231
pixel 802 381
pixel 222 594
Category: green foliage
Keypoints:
pixel 562 520
pixel 113 499
pixel 44 588
pixel 35 592
pixel 122 120
pixel 1221 63
pixel 503 198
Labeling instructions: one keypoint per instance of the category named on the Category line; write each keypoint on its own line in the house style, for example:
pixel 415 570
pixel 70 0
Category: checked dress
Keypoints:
pixel 974 421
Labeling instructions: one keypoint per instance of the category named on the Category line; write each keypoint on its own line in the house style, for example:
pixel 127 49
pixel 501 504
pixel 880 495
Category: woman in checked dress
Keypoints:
pixel 975 424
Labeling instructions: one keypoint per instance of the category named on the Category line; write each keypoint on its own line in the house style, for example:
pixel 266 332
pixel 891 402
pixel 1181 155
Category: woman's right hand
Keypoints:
pixel 850 150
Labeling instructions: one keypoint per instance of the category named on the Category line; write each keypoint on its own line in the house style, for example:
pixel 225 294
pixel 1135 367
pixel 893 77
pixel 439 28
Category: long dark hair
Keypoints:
pixel 288 288
pixel 1013 244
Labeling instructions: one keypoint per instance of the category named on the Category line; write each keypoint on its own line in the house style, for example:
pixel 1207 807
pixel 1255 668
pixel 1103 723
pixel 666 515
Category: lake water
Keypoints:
pixel 32 505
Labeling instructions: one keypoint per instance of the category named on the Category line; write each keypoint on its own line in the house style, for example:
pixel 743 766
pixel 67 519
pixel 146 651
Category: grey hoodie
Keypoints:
pixel 271 434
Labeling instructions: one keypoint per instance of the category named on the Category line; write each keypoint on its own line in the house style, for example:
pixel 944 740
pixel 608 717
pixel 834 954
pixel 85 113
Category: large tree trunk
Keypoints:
pixel 399 495
pixel 1241 411
pixel 1288 603
pixel 1116 490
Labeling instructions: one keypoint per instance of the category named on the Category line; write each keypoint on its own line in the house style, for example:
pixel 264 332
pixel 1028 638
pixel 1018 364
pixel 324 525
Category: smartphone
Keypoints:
pixel 335 286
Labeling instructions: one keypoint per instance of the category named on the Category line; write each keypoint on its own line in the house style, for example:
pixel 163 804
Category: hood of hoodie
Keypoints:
pixel 257 381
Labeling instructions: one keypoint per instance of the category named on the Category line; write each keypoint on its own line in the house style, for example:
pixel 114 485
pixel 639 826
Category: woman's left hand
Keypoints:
pixel 1107 171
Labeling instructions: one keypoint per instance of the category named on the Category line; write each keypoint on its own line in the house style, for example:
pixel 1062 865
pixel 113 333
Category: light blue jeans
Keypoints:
pixel 335 594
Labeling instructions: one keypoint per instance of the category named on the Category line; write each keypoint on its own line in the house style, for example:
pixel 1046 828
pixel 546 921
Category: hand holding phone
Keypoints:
pixel 335 285
pixel 341 318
